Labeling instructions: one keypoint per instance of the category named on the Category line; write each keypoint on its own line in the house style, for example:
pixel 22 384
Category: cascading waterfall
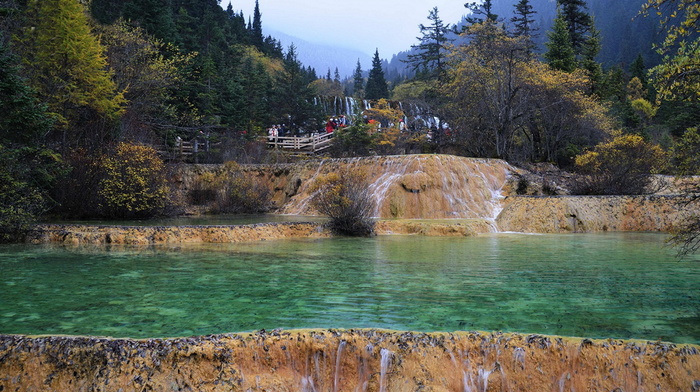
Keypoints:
pixel 384 368
pixel 338 362
pixel 365 360
pixel 417 186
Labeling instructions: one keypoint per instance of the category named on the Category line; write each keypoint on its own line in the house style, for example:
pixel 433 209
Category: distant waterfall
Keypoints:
pixel 416 116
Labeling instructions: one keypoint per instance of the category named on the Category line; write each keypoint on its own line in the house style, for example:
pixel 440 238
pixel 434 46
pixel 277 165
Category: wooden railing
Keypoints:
pixel 304 144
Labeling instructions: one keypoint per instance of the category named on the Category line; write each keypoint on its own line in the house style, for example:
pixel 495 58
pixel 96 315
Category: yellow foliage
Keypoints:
pixel 644 108
pixel 625 148
pixel 622 165
pixel 134 185
pixel 271 65
pixel 383 113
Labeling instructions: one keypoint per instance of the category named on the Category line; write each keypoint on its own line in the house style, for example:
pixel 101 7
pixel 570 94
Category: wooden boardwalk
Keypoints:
pixel 308 145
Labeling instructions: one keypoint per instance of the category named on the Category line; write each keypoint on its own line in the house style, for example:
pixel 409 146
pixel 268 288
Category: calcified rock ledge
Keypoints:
pixel 150 235
pixel 155 235
pixel 558 214
pixel 354 360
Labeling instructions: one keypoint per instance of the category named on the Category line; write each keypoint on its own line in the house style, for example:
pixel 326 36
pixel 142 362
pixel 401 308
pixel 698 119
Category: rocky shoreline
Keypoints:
pixel 526 214
pixel 346 360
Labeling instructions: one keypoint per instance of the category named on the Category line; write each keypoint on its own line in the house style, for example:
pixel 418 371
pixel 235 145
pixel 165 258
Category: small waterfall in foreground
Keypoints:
pixel 418 186
pixel 371 360
pixel 384 368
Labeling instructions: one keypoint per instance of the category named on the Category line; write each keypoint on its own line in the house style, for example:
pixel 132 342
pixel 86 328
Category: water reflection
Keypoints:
pixel 621 285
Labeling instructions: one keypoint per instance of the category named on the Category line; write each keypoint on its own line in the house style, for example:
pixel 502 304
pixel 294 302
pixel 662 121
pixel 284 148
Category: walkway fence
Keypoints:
pixel 308 145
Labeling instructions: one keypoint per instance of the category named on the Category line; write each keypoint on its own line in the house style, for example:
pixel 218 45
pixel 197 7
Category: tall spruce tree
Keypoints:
pixel 480 12
pixel 578 22
pixel 376 83
pixel 256 34
pixel 24 120
pixel 294 96
pixel 358 85
pixel 523 23
pixel 429 59
pixel 560 53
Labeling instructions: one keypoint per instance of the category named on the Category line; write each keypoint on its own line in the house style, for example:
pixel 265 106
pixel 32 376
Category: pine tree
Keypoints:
pixel 430 56
pixel 560 53
pixel 638 70
pixel 68 68
pixel 295 97
pixel 578 22
pixel 483 9
pixel 358 81
pixel 24 120
pixel 591 48
pixel 523 23
pixel 376 84
pixel 256 28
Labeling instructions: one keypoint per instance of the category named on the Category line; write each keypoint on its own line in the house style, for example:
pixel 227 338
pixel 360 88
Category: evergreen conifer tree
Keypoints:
pixel 294 96
pixel 430 56
pixel 591 48
pixel 483 9
pixel 638 70
pixel 560 53
pixel 256 28
pixel 24 120
pixel 578 22
pixel 376 83
pixel 523 22
pixel 358 81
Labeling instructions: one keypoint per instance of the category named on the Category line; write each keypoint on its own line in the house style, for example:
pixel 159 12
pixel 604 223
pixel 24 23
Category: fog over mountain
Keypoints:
pixel 324 57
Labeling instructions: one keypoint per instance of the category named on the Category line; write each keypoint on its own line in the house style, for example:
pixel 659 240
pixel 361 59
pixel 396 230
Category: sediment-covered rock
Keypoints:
pixel 557 214
pixel 435 228
pixel 148 235
pixel 354 360
pixel 406 187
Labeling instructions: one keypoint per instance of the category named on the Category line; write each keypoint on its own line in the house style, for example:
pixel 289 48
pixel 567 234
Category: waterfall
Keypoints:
pixel 417 186
pixel 371 360
pixel 384 367
pixel 338 362
pixel 417 117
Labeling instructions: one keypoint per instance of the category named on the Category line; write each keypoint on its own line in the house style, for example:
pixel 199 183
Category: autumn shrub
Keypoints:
pixel 622 166
pixel 231 190
pixel 133 185
pixel 345 198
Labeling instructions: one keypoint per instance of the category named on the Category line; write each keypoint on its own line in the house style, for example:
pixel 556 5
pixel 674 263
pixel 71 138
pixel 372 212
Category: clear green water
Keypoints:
pixel 594 285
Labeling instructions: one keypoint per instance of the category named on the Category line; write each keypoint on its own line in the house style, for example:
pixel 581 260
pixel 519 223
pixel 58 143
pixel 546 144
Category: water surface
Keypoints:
pixel 619 285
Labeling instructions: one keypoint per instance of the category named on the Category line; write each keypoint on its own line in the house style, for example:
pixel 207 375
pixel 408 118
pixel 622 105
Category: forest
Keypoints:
pixel 94 91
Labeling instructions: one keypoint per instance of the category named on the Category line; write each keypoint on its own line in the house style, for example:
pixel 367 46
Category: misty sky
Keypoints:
pixel 388 25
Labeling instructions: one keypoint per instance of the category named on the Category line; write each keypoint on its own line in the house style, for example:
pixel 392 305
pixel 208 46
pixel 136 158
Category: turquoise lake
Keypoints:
pixel 617 285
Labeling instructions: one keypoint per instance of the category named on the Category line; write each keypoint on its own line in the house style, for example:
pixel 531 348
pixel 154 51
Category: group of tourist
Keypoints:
pixel 276 131
pixel 281 130
pixel 335 123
